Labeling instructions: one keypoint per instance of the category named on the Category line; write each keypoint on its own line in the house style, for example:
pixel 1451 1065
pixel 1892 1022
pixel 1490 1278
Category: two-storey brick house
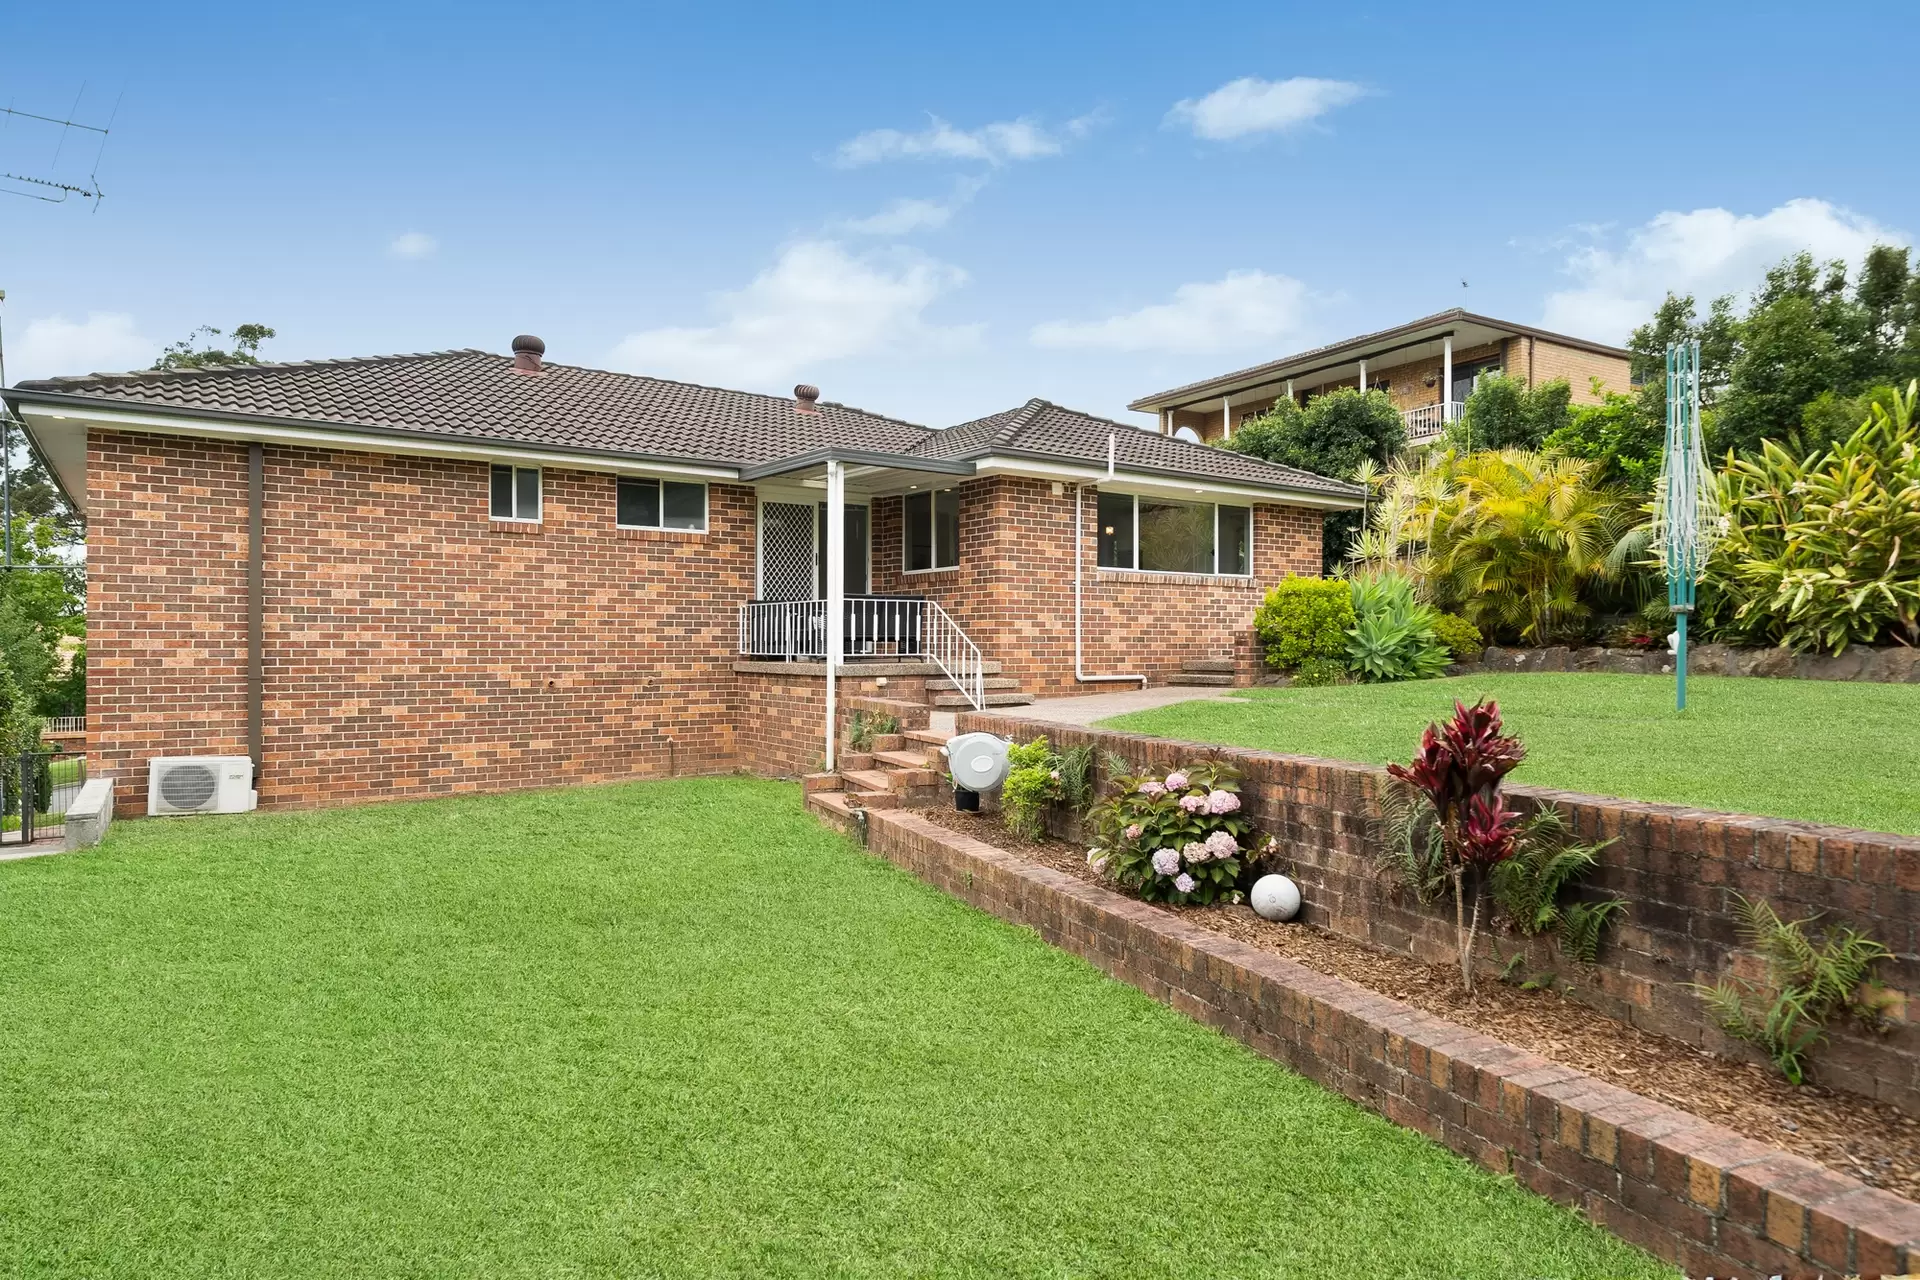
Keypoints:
pixel 410 575
pixel 1428 366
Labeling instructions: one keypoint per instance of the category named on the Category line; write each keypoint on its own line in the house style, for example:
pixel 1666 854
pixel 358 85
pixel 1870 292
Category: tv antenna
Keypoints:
pixel 47 187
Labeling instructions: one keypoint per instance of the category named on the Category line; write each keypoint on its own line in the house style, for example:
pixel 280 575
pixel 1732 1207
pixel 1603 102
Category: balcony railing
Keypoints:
pixel 904 627
pixel 1430 420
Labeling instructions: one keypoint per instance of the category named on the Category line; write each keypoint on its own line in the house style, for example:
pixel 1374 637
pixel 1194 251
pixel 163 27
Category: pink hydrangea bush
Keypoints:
pixel 1180 838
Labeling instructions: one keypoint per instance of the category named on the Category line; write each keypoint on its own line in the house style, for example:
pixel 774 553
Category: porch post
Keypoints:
pixel 1363 377
pixel 1446 379
pixel 836 593
pixel 1226 417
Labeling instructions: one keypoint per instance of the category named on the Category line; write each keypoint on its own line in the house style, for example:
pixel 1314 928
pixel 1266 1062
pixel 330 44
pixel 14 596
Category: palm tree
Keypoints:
pixel 1516 539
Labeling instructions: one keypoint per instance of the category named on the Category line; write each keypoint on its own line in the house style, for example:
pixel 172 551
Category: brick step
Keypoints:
pixel 946 700
pixel 832 807
pixel 1201 678
pixel 944 685
pixel 1208 666
pixel 867 779
pixel 932 737
pixel 904 759
pixel 813 782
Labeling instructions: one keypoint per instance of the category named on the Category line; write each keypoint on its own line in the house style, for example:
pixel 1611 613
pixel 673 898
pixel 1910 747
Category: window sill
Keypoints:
pixel 649 533
pixel 920 573
pixel 502 524
pixel 1169 575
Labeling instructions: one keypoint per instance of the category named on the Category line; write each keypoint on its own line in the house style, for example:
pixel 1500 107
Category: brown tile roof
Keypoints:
pixel 473 395
pixel 1041 428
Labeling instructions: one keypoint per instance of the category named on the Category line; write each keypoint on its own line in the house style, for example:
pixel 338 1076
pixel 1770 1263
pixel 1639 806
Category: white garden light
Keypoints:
pixel 1275 898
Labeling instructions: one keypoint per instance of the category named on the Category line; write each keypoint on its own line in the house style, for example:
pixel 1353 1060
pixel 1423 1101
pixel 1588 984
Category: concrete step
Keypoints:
pixel 904 759
pixel 944 685
pixel 931 737
pixel 1208 666
pixel 993 700
pixel 1199 678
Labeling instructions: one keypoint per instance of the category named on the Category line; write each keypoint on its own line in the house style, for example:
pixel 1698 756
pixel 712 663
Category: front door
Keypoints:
pixel 793 550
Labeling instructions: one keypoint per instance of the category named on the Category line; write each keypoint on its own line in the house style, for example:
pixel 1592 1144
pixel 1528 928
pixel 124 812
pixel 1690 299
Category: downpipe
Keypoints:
pixel 1080 672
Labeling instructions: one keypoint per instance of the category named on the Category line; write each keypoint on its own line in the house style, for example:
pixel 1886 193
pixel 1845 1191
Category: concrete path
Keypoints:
pixel 1098 706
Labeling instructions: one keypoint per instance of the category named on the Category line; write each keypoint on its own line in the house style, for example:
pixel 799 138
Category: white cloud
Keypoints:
pixel 414 244
pixel 105 342
pixel 1707 252
pixel 816 303
pixel 905 216
pixel 995 143
pixel 1241 309
pixel 1251 105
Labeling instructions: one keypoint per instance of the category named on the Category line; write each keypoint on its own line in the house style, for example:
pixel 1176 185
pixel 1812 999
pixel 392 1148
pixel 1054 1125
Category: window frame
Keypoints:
pixel 660 504
pixel 932 531
pixel 515 471
pixel 1215 572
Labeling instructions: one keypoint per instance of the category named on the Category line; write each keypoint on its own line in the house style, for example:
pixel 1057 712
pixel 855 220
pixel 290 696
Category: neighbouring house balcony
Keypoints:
pixel 1427 422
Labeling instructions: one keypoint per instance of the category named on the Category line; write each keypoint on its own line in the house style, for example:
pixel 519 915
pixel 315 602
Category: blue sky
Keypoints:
pixel 933 212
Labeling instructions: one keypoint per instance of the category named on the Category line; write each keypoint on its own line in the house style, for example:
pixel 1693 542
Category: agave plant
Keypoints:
pixel 1393 635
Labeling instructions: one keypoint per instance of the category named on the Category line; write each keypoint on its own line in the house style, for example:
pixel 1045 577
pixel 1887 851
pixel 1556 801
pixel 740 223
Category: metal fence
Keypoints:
pixel 38 786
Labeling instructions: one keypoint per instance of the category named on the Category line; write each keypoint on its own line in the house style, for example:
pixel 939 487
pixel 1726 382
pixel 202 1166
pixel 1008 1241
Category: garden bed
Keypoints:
pixel 1876 1144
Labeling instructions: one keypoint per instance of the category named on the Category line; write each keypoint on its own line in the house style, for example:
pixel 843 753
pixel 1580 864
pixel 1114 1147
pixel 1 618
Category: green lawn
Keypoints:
pixel 1819 750
pixel 650 1030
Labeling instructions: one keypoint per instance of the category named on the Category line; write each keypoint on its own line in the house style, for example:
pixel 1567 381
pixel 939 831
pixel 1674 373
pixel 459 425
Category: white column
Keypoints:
pixel 1446 379
pixel 1289 388
pixel 836 592
pixel 1226 418
pixel 1363 377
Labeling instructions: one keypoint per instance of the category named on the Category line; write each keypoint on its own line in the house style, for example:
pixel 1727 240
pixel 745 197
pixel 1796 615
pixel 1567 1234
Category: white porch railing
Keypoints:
pixel 65 724
pixel 877 627
pixel 1429 420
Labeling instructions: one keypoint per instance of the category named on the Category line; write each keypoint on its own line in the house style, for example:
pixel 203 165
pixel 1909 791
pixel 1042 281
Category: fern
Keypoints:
pixel 1809 982
pixel 1413 848
pixel 1076 779
pixel 1528 886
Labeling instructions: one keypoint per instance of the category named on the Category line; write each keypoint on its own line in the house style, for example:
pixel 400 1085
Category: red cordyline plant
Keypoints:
pixel 1448 822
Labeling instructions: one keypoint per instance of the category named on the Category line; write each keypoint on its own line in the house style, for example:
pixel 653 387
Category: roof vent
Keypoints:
pixel 805 399
pixel 527 351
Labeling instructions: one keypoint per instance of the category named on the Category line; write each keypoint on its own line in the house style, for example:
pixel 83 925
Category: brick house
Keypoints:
pixel 411 575
pixel 1429 367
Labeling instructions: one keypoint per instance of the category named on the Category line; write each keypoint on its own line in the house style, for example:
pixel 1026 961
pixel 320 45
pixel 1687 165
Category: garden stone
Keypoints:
pixel 1594 658
pixel 1554 658
pixel 1776 662
pixel 1710 660
pixel 1900 666
pixel 1850 665
pixel 1275 898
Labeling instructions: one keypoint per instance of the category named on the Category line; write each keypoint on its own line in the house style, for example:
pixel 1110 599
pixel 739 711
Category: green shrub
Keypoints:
pixel 1316 672
pixel 1461 637
pixel 1392 637
pixel 1822 551
pixel 1033 782
pixel 1304 618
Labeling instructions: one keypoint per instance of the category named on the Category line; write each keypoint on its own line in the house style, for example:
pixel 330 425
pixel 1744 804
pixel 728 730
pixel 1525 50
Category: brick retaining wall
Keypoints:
pixel 1690 1192
pixel 1678 868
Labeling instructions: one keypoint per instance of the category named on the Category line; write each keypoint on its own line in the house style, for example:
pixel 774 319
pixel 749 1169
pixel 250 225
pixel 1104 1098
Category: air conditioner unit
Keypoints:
pixel 200 784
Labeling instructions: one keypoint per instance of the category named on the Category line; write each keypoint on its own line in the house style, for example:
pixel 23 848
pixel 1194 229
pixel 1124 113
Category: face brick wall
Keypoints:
pixel 1678 869
pixel 1013 589
pixel 413 646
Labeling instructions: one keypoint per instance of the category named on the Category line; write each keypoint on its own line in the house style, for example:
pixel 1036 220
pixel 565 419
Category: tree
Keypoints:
pixel 1619 435
pixel 1503 414
pixel 246 348
pixel 1332 436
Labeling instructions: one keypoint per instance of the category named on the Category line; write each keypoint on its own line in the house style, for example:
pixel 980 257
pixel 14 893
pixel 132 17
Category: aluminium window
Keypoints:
pixel 931 537
pixel 1165 535
pixel 516 493
pixel 645 503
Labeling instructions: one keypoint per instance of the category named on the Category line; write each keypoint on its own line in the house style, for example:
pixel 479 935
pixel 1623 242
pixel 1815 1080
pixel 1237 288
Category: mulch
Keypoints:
pixel 1849 1134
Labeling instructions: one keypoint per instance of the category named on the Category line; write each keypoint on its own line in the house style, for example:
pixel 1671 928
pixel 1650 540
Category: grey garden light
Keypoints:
pixel 978 761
